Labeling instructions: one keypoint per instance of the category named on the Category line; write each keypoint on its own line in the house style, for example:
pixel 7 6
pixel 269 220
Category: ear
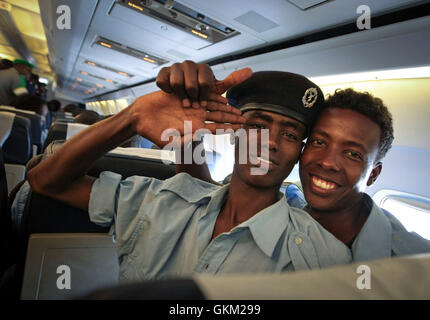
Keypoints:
pixel 376 171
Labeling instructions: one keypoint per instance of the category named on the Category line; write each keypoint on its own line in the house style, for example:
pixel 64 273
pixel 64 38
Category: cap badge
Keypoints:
pixel 310 97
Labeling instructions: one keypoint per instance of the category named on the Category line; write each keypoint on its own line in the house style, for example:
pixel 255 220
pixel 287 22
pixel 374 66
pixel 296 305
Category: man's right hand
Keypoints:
pixel 193 83
pixel 154 113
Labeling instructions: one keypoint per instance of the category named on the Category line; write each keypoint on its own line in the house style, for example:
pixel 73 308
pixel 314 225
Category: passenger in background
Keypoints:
pixel 30 103
pixel 13 80
pixel 341 158
pixel 73 109
pixel 32 84
pixel 88 117
pixel 54 105
pixel 5 64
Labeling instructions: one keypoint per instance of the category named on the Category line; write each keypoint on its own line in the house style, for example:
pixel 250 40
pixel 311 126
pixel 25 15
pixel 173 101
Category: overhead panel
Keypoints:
pixel 145 56
pixel 173 21
pixel 307 4
pixel 107 68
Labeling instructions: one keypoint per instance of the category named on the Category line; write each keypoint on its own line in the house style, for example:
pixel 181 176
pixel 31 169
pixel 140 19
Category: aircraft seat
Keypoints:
pixel 67 266
pixel 16 146
pixel 404 278
pixel 36 136
pixel 60 130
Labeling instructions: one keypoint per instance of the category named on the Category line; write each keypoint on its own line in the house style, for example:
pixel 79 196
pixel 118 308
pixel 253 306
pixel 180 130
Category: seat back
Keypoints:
pixel 66 266
pixel 135 161
pixel 36 125
pixel 5 220
pixel 16 147
pixel 62 131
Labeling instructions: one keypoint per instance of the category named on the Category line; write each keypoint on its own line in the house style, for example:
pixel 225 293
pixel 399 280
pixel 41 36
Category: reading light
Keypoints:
pixel 130 51
pixel 199 34
pixel 108 68
pixel 106 45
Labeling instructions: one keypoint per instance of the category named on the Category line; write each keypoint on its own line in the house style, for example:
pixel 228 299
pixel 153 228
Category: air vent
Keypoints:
pixel 256 21
pixel 307 4
pixel 130 51
pixel 183 18
pixel 121 73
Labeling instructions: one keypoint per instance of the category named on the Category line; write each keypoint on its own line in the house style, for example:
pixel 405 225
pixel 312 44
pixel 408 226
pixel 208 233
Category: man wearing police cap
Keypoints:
pixel 184 225
pixel 342 156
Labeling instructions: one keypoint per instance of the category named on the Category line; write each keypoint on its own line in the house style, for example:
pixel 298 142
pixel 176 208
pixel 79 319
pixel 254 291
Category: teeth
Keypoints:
pixel 326 185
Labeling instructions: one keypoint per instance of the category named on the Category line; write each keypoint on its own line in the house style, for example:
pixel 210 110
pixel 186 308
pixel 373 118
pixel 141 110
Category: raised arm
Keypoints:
pixel 62 176
pixel 193 83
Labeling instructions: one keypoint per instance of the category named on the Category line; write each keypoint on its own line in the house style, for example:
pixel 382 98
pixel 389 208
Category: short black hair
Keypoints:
pixel 6 64
pixel 28 102
pixel 369 106
pixel 88 117
pixel 73 109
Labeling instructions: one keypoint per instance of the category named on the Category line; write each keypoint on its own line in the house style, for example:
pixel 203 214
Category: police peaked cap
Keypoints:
pixel 286 93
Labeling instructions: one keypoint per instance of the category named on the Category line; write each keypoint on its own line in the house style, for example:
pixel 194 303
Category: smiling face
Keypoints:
pixel 283 148
pixel 339 159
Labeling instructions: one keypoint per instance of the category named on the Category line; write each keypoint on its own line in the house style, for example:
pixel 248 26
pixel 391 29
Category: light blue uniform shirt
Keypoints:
pixel 382 235
pixel 163 229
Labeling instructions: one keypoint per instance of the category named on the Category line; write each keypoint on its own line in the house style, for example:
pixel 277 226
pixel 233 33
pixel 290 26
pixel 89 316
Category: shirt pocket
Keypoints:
pixel 302 252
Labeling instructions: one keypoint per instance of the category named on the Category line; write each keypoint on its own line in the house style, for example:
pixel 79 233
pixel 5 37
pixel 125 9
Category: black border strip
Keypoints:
pixel 401 15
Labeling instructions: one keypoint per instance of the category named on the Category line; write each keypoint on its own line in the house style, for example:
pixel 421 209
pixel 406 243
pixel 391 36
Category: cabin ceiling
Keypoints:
pixel 84 68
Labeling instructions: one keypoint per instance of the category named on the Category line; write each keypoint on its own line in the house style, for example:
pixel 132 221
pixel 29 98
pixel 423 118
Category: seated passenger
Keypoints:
pixel 342 156
pixel 30 102
pixel 185 225
pixel 73 109
pixel 88 117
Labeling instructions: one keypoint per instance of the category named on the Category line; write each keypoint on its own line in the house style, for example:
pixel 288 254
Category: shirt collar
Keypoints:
pixel 375 237
pixel 268 225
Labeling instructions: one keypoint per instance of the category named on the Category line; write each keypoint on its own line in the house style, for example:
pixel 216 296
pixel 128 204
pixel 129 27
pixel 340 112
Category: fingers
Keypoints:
pixel 224 117
pixel 206 79
pixel 232 79
pixel 191 82
pixel 163 80
pixel 213 127
pixel 177 83
pixel 217 98
pixel 190 73
pixel 215 106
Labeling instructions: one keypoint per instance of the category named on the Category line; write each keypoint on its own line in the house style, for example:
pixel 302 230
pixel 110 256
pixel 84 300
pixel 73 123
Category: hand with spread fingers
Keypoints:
pixel 193 83
pixel 154 113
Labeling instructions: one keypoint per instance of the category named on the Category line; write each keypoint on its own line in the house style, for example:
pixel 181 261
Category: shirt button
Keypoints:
pixel 298 240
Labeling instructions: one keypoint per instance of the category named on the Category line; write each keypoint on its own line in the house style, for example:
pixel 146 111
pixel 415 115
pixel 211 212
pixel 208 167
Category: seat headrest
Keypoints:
pixel 6 122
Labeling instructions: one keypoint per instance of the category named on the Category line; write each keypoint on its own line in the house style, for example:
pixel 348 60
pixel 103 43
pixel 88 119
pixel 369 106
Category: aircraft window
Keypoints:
pixel 413 211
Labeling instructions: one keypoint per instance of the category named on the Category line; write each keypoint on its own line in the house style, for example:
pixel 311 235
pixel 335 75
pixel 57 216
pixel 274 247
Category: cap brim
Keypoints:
pixel 276 109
